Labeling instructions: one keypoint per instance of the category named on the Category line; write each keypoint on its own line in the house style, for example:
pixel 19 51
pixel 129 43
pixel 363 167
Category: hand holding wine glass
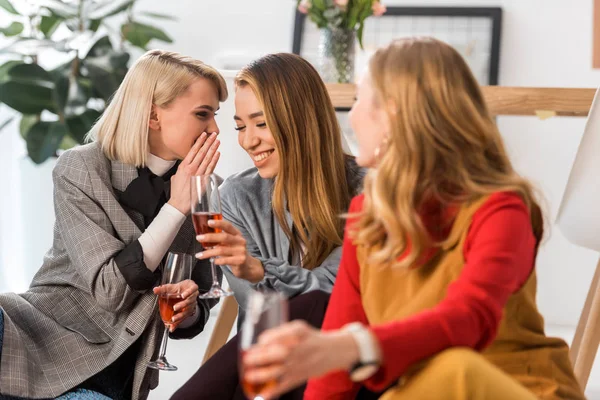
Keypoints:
pixel 206 207
pixel 184 296
pixel 177 269
pixel 265 311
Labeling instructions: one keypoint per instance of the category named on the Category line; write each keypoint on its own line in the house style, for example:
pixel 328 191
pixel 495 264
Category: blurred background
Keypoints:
pixel 542 43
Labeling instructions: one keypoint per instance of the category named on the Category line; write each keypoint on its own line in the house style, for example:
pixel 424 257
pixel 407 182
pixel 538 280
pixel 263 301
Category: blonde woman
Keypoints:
pixel 435 297
pixel 281 219
pixel 89 321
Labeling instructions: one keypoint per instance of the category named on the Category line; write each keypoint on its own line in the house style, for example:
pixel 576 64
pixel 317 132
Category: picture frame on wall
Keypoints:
pixel 473 31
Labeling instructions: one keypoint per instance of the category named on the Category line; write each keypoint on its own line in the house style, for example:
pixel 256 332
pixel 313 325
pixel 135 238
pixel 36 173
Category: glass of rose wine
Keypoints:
pixel 178 268
pixel 206 206
pixel 266 310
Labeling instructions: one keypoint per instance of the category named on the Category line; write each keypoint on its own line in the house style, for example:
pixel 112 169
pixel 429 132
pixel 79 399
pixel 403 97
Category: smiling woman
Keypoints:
pixel 282 226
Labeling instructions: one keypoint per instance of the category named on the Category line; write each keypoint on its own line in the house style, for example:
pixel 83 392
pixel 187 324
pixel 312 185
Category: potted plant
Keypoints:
pixel 341 23
pixel 58 105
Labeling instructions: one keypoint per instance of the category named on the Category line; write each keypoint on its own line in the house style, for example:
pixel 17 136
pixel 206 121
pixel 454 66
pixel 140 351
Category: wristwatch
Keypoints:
pixel 369 362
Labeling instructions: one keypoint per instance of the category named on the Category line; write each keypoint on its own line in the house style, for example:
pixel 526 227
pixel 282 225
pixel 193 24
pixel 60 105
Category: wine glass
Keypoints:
pixel 266 310
pixel 206 206
pixel 178 268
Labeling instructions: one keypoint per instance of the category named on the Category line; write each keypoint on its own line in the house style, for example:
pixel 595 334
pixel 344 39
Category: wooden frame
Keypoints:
pixel 494 13
pixel 504 100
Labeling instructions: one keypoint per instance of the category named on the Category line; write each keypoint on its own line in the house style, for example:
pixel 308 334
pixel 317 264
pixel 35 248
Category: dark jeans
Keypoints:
pixel 218 377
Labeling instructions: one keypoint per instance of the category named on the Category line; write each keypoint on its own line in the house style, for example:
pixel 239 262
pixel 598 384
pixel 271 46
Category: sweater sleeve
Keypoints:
pixel 499 256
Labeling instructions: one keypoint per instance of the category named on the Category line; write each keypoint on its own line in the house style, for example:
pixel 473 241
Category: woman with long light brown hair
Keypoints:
pixel 281 227
pixel 435 297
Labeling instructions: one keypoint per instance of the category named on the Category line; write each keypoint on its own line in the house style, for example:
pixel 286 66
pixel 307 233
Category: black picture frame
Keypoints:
pixel 494 13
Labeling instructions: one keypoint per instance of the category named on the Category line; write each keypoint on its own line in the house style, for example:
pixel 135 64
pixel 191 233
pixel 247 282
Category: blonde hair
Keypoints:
pixel 311 180
pixel 156 78
pixel 443 146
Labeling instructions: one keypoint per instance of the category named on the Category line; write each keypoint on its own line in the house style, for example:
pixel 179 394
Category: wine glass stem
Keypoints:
pixel 163 345
pixel 213 271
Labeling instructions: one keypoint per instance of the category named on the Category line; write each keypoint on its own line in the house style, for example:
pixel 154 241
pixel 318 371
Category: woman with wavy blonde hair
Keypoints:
pixel 435 298
pixel 88 325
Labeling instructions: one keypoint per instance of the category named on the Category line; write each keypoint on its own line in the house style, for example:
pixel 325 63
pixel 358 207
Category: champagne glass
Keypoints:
pixel 206 206
pixel 178 268
pixel 265 311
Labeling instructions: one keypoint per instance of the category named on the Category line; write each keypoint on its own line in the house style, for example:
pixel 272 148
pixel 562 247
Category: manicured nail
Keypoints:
pixel 201 237
pixel 210 223
pixel 199 255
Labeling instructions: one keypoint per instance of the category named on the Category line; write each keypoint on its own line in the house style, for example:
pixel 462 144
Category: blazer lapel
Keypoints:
pixel 121 176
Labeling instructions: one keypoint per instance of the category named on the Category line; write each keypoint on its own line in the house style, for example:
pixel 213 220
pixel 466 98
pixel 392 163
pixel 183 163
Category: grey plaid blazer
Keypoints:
pixel 79 315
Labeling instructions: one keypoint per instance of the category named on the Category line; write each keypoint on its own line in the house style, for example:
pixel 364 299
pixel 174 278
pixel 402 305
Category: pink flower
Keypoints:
pixel 341 3
pixel 304 6
pixel 378 9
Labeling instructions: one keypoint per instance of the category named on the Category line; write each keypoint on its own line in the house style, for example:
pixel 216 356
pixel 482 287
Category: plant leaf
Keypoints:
pixel 31 46
pixel 140 35
pixel 158 16
pixel 4 68
pixel 43 140
pixel 109 8
pixel 59 8
pixel 95 24
pixel 27 88
pixel 8 7
pixel 30 74
pixel 27 121
pixel 49 24
pixel 5 123
pixel 13 29
pixel 359 34
pixel 26 99
pixel 80 125
pixel 67 143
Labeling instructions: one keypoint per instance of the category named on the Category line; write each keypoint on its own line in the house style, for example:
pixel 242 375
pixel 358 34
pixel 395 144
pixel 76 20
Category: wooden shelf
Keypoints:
pixel 506 100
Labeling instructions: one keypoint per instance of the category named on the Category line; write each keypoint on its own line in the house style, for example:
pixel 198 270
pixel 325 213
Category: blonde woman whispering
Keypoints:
pixel 435 297
pixel 89 324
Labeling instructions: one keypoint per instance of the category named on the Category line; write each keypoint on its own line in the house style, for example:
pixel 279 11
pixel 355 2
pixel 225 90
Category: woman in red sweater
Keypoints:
pixel 435 297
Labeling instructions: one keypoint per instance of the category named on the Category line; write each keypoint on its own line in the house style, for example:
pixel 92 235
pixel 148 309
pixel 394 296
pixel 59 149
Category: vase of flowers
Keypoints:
pixel 341 23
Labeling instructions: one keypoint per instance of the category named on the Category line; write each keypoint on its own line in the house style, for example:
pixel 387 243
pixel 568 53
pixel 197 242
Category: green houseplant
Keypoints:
pixel 58 106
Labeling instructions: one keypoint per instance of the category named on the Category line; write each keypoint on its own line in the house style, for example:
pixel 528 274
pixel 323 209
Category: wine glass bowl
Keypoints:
pixel 266 310
pixel 206 206
pixel 178 268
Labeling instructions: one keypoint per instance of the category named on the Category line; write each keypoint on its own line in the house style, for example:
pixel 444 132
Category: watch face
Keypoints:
pixel 363 372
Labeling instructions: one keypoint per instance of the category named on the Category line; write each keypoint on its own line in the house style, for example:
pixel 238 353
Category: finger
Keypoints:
pixel 286 332
pixel 188 287
pixel 208 157
pixel 194 150
pixel 211 167
pixel 166 289
pixel 233 260
pixel 264 374
pixel 190 301
pixel 260 356
pixel 201 155
pixel 222 238
pixel 225 226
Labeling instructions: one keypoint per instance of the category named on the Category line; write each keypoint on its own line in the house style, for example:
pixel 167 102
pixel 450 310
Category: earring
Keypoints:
pixel 379 150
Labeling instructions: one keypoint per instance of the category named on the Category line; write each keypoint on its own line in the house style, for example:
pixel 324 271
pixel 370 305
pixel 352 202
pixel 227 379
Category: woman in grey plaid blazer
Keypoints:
pixel 89 319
